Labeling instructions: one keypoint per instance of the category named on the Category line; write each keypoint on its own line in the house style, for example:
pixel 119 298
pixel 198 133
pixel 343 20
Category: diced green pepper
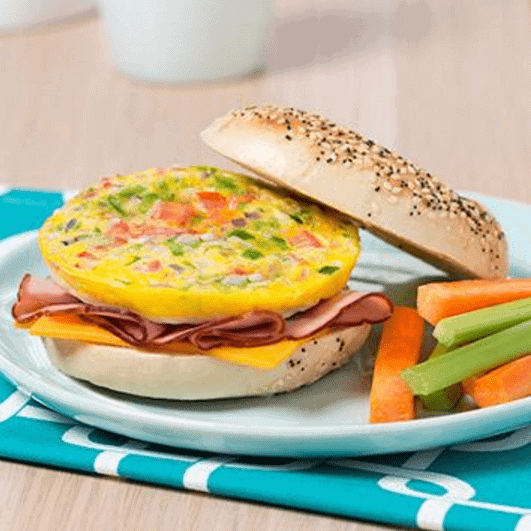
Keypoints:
pixel 281 242
pixel 252 254
pixel 328 270
pixel 114 203
pixel 242 234
pixel 130 191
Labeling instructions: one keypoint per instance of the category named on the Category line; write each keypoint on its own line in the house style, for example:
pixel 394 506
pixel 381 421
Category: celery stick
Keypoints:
pixel 480 323
pixel 445 399
pixel 462 362
pixel 442 400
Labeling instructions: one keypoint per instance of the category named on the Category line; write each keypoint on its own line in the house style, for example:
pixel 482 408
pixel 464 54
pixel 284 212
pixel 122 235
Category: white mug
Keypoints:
pixel 187 40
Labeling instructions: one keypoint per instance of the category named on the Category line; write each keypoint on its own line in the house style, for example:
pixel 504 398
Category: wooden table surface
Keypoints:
pixel 446 83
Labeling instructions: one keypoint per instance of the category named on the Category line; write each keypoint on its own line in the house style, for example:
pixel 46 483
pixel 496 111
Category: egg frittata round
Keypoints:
pixel 188 244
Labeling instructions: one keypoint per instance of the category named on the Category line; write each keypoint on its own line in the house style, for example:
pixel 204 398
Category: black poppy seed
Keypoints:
pixel 288 137
pixel 338 339
pixel 377 189
pixel 315 342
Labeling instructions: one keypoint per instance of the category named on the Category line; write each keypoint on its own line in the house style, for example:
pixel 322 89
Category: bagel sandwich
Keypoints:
pixel 197 283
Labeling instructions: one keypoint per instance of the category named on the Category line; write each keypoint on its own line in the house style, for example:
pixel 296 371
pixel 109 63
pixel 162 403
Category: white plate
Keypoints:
pixel 328 418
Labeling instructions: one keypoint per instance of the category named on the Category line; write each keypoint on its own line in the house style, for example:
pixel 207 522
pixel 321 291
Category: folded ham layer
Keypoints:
pixel 42 296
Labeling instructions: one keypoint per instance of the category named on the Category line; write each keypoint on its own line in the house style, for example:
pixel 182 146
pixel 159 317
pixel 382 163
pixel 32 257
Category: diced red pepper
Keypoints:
pixel 176 213
pixel 118 241
pixel 304 238
pixel 238 271
pixel 121 229
pixel 86 254
pixel 153 266
pixel 212 200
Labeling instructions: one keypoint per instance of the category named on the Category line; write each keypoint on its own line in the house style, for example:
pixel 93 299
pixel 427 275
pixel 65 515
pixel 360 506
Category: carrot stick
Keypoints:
pixel 501 385
pixel 400 347
pixel 445 299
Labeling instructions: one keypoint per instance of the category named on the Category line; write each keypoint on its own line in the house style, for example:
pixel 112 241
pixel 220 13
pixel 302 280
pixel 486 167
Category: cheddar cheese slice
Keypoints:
pixel 73 328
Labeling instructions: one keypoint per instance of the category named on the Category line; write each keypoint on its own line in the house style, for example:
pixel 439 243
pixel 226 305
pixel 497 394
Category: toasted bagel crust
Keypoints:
pixel 201 377
pixel 386 194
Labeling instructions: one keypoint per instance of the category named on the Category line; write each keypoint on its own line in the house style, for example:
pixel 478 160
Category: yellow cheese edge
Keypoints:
pixel 72 328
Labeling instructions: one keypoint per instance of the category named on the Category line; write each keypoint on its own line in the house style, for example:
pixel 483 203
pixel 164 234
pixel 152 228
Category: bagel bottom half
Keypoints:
pixel 202 377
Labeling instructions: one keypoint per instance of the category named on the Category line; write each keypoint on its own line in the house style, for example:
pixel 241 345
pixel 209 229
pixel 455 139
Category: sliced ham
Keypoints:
pixel 38 297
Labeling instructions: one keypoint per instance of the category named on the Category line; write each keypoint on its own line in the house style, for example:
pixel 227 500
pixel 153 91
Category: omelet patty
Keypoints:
pixel 195 243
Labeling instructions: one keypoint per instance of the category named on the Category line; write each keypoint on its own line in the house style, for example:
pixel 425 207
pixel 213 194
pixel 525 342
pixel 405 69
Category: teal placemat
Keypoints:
pixel 481 486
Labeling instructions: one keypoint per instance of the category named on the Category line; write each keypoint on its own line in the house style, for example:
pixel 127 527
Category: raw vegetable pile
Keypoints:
pixel 483 350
